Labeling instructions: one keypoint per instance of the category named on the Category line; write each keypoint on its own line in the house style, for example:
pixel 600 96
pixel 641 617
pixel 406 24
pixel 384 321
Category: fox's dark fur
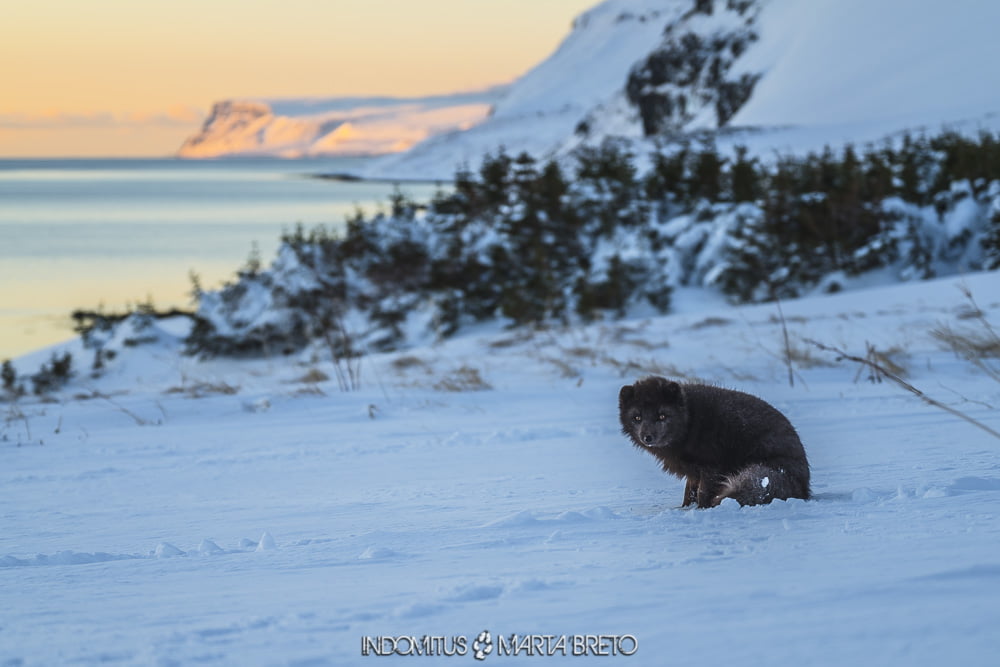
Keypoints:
pixel 726 443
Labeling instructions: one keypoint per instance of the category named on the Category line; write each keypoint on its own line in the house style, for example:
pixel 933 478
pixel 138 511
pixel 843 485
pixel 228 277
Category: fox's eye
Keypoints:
pixel 661 418
pixel 637 418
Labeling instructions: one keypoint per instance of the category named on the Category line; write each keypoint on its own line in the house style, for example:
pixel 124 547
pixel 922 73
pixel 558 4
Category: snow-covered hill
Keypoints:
pixel 786 74
pixel 180 511
pixel 542 109
pixel 293 128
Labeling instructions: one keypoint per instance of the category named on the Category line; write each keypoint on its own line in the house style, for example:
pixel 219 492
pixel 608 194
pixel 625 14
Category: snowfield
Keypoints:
pixel 177 511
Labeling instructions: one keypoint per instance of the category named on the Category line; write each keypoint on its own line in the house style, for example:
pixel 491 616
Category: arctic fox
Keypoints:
pixel 727 444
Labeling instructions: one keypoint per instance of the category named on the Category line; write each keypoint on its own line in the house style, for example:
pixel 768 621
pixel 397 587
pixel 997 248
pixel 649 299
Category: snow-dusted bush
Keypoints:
pixel 53 375
pixel 12 389
pixel 528 243
pixel 991 239
pixel 517 241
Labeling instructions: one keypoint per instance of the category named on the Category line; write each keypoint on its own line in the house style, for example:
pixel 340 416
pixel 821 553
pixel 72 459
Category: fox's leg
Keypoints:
pixel 691 491
pixel 708 491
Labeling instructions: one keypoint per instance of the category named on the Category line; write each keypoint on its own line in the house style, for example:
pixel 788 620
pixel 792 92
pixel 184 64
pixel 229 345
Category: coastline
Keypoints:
pixel 87 232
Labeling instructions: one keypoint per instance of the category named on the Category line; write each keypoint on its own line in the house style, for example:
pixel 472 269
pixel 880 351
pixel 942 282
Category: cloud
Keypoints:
pixel 174 116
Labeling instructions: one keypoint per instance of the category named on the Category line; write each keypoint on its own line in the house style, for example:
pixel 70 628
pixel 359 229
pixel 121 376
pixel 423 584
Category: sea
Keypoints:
pixel 109 233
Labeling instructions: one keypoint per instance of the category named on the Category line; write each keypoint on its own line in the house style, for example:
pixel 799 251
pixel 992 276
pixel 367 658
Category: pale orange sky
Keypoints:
pixel 136 77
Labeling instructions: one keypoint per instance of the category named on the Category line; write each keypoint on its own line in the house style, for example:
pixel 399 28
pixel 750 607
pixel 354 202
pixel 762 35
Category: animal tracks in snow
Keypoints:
pixel 162 550
pixel 526 526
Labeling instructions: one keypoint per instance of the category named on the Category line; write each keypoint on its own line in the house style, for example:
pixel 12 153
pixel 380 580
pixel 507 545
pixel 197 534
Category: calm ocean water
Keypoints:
pixel 82 233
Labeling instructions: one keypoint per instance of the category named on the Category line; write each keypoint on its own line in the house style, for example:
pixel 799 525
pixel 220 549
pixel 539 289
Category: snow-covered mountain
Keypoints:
pixel 337 126
pixel 775 73
pixel 771 74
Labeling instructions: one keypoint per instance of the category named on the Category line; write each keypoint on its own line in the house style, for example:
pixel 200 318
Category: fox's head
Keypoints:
pixel 652 412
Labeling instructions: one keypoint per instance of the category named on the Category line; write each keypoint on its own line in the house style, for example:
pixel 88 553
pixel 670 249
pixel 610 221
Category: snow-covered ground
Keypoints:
pixel 177 511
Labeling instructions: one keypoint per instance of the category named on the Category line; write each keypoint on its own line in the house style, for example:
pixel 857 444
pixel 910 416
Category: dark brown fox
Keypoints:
pixel 727 444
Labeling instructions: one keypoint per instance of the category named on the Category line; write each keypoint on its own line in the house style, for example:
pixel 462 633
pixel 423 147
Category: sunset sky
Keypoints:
pixel 130 78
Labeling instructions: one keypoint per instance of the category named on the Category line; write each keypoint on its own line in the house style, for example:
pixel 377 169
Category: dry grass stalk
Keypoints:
pixel 879 372
pixel 15 413
pixel 973 346
pixel 788 347
pixel 565 369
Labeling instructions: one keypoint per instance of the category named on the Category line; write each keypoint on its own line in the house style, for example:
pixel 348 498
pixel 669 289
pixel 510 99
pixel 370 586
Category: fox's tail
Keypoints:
pixel 759 484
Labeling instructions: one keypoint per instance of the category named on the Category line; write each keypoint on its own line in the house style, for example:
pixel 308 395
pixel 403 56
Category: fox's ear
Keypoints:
pixel 670 391
pixel 626 394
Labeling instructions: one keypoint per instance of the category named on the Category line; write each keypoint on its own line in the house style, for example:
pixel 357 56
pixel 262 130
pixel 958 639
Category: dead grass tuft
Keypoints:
pixel 464 378
pixel 522 335
pixel 804 357
pixel 796 319
pixel 967 344
pixel 710 322
pixel 891 359
pixel 628 367
pixel 566 369
pixel 630 335
pixel 314 376
pixel 203 389
pixel 974 347
pixel 309 390
pixel 408 362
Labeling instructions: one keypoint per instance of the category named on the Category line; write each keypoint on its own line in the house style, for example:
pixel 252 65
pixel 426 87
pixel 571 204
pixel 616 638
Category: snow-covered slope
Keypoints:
pixel 176 511
pixel 543 108
pixel 337 126
pixel 822 72
pixel 852 61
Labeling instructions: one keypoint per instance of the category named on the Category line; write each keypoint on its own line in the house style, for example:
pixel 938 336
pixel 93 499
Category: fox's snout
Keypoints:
pixel 648 434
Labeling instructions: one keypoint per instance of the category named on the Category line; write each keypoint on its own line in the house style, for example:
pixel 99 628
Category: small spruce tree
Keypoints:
pixel 745 182
pixel 8 375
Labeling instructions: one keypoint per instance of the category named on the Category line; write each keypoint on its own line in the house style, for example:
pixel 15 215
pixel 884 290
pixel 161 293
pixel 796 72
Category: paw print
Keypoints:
pixel 482 646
